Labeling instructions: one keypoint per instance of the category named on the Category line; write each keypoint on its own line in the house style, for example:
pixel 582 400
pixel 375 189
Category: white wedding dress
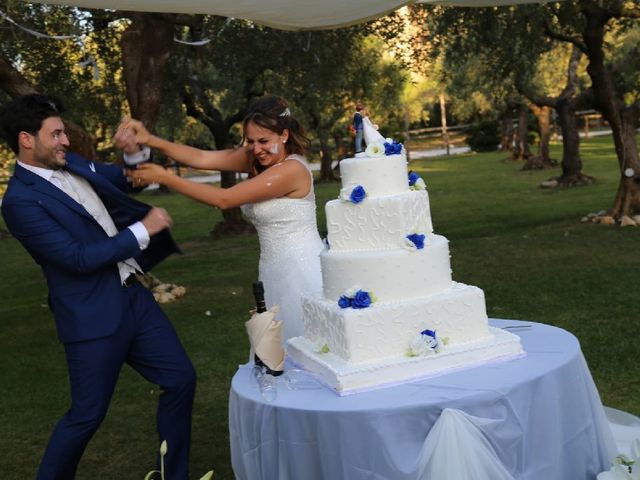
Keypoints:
pixel 289 253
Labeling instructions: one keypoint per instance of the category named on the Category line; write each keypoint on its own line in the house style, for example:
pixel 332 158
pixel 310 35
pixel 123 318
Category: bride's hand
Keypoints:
pixel 147 173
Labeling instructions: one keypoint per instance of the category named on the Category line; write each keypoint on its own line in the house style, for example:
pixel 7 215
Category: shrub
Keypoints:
pixel 483 136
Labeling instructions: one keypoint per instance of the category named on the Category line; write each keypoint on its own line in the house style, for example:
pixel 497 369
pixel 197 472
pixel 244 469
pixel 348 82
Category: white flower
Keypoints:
pixel 351 292
pixel 419 185
pixel 409 245
pixel 420 346
pixel 376 149
pixel 345 193
pixel 435 344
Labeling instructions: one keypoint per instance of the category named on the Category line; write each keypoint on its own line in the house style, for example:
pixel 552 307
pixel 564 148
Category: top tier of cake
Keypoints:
pixel 377 209
pixel 379 176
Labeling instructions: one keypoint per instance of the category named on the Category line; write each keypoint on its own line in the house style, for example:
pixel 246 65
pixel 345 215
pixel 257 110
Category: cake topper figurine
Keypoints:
pixel 371 134
pixel 364 130
pixel 358 127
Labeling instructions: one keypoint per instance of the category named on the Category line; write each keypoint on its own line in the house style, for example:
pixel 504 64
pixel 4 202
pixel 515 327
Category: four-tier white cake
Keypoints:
pixel 390 310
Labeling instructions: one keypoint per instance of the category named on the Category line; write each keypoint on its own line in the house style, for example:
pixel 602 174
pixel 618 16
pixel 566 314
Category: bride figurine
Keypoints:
pixel 370 132
pixel 278 198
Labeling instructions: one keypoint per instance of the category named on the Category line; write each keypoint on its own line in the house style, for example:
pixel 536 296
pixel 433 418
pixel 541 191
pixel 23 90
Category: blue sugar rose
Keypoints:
pixel 417 239
pixel 392 148
pixel 361 299
pixel 344 302
pixel 357 194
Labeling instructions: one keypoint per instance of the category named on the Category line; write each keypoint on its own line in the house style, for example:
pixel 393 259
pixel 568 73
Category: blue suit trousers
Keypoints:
pixel 146 340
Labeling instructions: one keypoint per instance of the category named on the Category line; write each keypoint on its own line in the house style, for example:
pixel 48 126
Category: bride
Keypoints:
pixel 278 198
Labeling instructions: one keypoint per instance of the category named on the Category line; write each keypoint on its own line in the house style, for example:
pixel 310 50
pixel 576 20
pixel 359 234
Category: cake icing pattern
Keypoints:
pixel 409 318
pixel 380 223
pixel 391 274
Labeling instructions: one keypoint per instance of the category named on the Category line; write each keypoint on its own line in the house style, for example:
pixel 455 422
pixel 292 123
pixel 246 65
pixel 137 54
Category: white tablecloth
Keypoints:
pixel 550 421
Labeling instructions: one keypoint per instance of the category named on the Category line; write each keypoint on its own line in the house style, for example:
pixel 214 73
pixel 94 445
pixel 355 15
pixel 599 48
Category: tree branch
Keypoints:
pixel 572 73
pixel 12 81
pixel 551 32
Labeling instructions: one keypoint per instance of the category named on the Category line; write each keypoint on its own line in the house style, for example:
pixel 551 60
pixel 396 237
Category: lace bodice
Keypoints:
pixel 289 252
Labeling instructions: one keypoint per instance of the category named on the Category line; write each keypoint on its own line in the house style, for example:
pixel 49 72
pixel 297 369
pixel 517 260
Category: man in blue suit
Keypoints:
pixel 90 238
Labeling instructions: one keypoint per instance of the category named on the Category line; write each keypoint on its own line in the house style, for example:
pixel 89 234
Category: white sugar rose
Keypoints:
pixel 409 245
pixel 376 149
pixel 420 185
pixel 345 193
pixel 351 292
pixel 419 346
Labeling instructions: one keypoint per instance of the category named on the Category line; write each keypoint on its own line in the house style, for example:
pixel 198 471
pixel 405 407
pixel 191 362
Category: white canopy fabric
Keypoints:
pixel 281 14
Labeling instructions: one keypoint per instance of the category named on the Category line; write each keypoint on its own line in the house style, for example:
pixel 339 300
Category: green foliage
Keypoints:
pixel 490 55
pixel 623 47
pixel 84 73
pixel 247 60
pixel 483 136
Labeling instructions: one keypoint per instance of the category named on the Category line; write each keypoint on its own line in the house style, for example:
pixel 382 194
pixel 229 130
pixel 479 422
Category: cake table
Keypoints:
pixel 548 420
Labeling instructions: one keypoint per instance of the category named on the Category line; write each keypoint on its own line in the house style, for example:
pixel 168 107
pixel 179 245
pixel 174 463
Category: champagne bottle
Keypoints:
pixel 261 306
pixel 258 295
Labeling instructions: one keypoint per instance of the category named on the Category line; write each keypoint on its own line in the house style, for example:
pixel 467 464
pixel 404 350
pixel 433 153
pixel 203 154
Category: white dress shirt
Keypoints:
pixel 83 193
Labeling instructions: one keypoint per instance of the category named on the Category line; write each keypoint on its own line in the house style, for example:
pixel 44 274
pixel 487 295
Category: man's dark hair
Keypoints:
pixel 25 114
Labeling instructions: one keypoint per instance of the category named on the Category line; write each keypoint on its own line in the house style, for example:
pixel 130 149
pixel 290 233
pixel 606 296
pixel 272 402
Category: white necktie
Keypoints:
pixel 83 193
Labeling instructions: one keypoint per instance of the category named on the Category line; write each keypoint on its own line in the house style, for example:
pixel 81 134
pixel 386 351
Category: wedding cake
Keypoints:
pixel 390 311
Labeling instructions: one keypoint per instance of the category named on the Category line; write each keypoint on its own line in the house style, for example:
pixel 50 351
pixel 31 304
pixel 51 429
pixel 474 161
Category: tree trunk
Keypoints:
pixel 506 129
pixel 521 150
pixel 542 160
pixel 146 47
pixel 12 82
pixel 571 161
pixel 443 123
pixel 341 147
pixel 622 120
pixel 326 158
pixel 233 223
pixel 565 107
pixel 627 201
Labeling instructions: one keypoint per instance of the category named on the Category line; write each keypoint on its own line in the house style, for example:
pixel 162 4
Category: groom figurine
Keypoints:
pixel 90 238
pixel 358 127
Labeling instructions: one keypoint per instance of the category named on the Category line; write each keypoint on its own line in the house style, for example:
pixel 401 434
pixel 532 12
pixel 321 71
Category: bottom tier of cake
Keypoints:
pixel 385 329
pixel 347 378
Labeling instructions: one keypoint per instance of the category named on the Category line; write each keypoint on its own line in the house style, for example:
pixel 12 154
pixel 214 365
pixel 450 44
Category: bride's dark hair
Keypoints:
pixel 272 112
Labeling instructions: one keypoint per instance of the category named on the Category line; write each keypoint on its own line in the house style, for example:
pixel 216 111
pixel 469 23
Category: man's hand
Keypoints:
pixel 156 220
pixel 125 139
pixel 131 132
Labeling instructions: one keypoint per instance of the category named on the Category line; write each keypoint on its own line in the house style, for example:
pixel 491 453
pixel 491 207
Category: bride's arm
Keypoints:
pixel 289 179
pixel 231 160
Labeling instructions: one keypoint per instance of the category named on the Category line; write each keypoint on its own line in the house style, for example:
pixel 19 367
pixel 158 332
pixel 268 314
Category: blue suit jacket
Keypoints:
pixel 78 259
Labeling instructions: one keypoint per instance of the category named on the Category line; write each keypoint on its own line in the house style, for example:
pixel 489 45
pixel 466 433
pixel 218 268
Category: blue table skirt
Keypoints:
pixel 551 423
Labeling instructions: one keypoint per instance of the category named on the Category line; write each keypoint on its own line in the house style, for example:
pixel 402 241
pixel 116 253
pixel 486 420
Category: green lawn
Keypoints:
pixel 523 245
